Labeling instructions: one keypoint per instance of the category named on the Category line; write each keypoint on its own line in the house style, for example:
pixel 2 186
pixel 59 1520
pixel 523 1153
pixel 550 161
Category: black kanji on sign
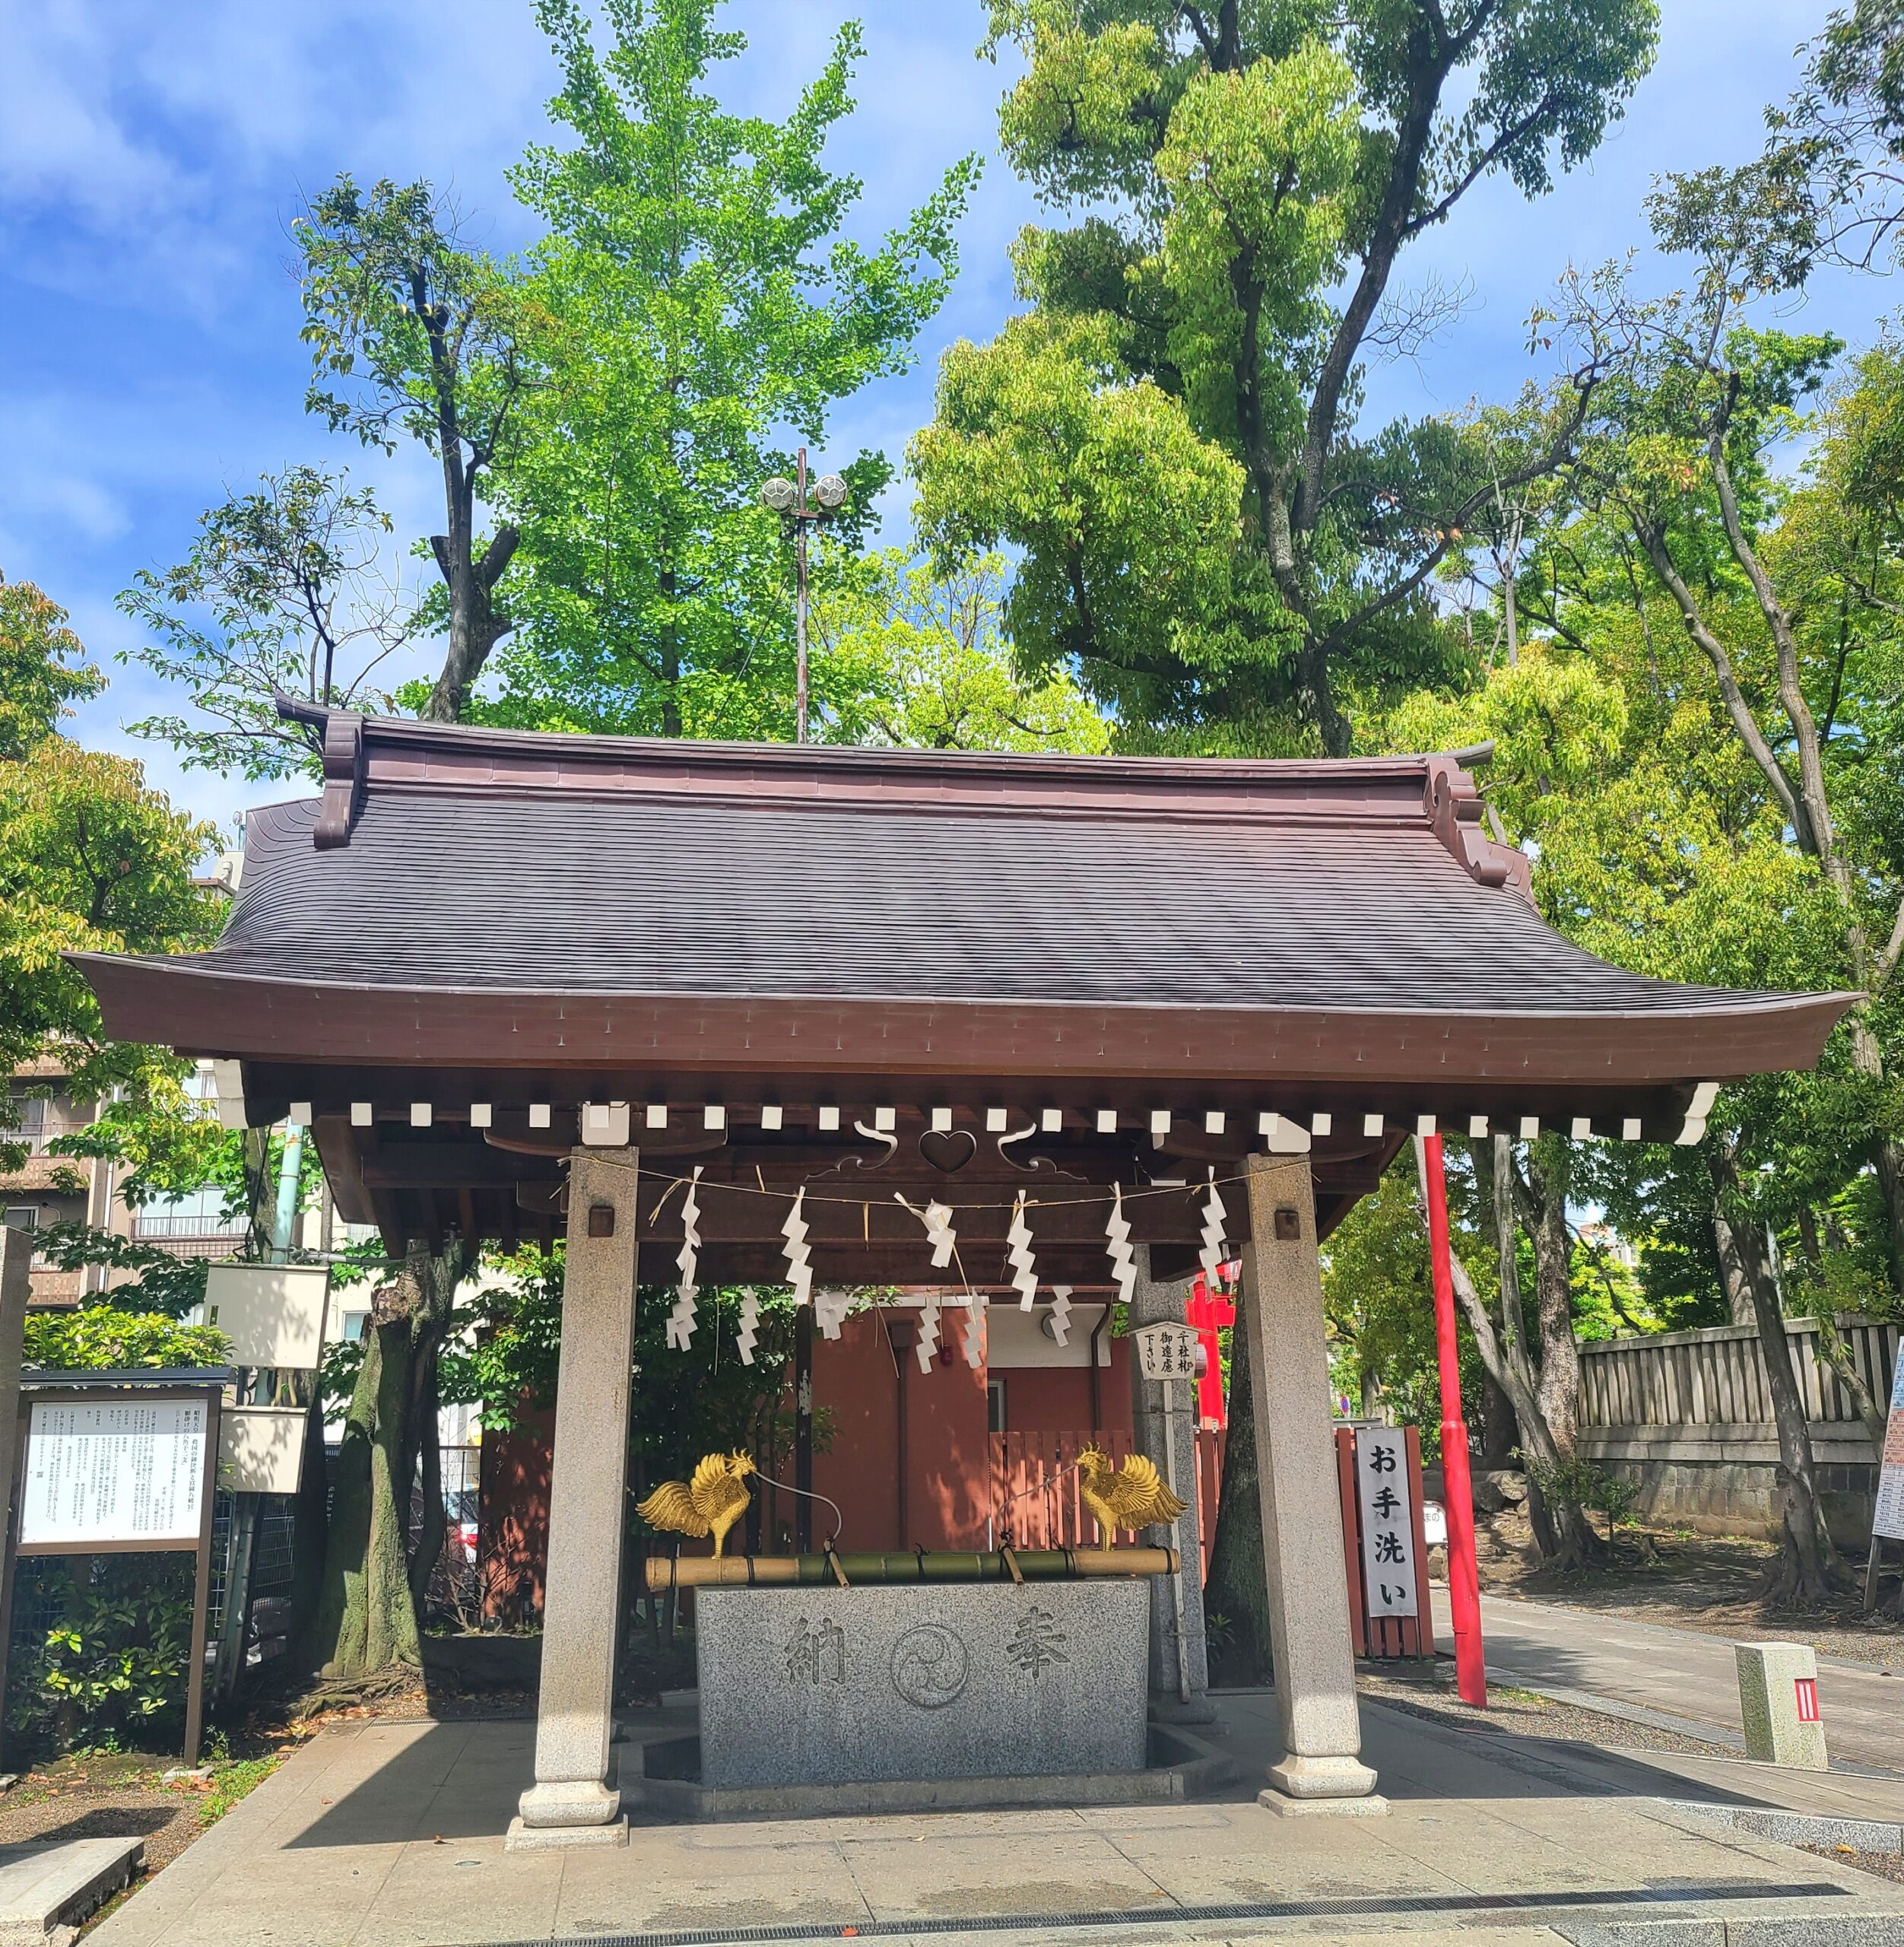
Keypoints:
pixel 1384 1503
pixel 1388 1546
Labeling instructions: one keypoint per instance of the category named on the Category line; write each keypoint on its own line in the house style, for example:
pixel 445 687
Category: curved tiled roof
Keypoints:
pixel 589 895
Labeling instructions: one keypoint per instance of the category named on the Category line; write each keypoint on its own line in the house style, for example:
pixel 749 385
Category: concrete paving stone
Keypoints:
pixel 50 1884
pixel 1050 1874
pixel 612 1905
pixel 1470 1813
pixel 474 1887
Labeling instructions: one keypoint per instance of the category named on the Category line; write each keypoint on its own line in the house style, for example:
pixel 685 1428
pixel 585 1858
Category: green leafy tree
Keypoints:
pixel 702 299
pixel 923 660
pixel 1171 434
pixel 414 334
pixel 283 593
pixel 43 669
pixel 91 860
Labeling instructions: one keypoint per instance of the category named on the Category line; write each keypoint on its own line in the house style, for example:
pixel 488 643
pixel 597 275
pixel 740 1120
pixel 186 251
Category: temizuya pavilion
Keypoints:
pixel 488 964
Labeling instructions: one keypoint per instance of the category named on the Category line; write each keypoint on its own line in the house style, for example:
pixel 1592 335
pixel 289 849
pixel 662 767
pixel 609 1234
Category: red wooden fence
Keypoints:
pixel 1034 1487
pixel 1035 1500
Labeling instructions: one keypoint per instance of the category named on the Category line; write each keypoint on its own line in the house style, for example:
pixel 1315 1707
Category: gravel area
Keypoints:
pixel 1521 1712
pixel 1886 1866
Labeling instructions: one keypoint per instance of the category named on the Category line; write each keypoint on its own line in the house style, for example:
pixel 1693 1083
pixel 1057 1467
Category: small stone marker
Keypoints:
pixel 1778 1701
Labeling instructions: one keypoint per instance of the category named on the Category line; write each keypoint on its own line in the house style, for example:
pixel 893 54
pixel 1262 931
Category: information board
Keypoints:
pixel 1888 1519
pixel 117 1473
pixel 1166 1351
pixel 1389 1565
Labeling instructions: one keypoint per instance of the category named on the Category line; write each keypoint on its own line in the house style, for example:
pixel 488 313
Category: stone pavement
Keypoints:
pixel 392 1834
pixel 1683 1673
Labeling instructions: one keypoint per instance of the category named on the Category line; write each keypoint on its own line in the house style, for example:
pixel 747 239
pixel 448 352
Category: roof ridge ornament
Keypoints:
pixel 1453 803
pixel 345 762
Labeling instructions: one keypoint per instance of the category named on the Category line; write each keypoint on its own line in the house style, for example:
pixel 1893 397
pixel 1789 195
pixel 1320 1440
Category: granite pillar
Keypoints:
pixel 571 1801
pixel 1302 1513
pixel 1178 1685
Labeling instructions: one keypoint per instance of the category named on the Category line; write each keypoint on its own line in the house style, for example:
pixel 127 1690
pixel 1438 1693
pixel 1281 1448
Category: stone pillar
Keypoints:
pixel 1308 1599
pixel 571 1801
pixel 1177 1689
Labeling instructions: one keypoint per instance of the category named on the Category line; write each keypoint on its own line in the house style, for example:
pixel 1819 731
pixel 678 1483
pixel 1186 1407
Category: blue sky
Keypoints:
pixel 152 156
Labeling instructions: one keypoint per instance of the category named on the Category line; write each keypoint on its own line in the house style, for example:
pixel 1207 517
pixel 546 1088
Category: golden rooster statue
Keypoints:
pixel 709 1504
pixel 1131 1496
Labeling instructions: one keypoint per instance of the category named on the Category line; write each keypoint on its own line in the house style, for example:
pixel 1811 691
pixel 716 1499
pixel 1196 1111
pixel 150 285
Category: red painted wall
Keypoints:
pixel 856 1380
pixel 1058 1399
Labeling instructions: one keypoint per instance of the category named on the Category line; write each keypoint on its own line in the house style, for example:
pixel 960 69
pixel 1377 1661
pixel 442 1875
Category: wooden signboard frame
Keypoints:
pixel 1384 1636
pixel 212 1398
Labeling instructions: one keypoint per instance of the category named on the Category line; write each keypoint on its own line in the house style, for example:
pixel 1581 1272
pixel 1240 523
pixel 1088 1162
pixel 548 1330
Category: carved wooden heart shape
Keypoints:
pixel 948 1149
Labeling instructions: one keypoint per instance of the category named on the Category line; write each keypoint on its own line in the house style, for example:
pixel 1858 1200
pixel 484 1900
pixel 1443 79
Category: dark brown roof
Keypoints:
pixel 474 897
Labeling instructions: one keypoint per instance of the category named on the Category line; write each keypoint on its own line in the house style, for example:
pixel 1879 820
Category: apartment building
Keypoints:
pixel 40 1106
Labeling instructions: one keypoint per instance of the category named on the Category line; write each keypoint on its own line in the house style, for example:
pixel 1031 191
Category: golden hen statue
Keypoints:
pixel 709 1504
pixel 1131 1496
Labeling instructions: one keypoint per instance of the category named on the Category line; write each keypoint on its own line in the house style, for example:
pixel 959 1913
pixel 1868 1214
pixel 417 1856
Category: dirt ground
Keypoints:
pixel 1682 1580
pixel 125 1796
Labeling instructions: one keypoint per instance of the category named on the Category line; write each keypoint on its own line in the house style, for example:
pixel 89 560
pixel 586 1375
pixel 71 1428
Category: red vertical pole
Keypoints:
pixel 1464 1576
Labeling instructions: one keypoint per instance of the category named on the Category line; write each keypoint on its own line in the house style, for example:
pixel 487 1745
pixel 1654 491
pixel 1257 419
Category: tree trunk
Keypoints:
pixel 1562 1531
pixel 366 1620
pixel 1807 1570
pixel 1580 1543
pixel 1238 1587
pixel 1500 1430
pixel 390 1632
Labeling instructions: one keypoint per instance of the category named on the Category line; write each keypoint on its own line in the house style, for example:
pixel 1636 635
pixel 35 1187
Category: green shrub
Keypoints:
pixel 110 1671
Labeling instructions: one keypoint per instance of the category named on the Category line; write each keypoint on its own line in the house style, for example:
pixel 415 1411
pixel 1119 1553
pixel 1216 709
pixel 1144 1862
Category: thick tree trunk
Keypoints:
pixel 1579 1542
pixel 1808 1568
pixel 367 1614
pixel 1500 1430
pixel 1548 1420
pixel 390 1634
pixel 1239 1585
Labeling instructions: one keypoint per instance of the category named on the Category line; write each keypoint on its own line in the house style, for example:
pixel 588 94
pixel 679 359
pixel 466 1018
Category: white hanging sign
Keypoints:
pixel 1382 1483
pixel 1166 1351
pixel 107 1472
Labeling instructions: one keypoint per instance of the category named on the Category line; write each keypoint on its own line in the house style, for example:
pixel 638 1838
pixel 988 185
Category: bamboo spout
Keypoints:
pixel 1033 1565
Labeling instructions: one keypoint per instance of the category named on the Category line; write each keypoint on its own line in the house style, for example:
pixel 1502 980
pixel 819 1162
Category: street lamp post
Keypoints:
pixel 788 498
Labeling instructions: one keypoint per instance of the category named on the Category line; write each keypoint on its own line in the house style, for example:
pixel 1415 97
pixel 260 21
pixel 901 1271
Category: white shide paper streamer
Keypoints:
pixel 1123 1257
pixel 799 1264
pixel 1212 1254
pixel 681 1320
pixel 1024 1265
